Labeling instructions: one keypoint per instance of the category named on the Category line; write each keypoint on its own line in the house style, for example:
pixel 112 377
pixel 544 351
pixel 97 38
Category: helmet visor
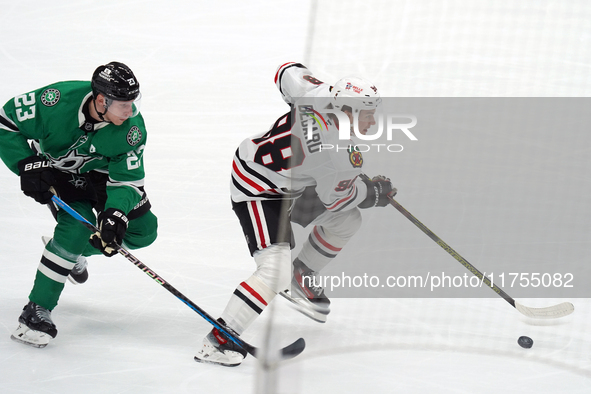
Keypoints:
pixel 124 109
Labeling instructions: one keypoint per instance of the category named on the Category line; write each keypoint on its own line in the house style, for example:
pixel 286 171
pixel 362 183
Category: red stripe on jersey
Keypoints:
pixel 279 70
pixel 254 293
pixel 323 242
pixel 342 200
pixel 246 179
pixel 259 224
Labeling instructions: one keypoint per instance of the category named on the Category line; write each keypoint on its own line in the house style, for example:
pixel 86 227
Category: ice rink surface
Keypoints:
pixel 206 71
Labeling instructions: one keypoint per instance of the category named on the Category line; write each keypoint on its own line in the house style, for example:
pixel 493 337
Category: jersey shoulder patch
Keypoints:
pixel 113 141
pixel 134 135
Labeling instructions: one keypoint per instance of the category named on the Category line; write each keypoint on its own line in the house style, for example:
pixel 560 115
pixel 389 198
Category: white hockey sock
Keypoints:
pixel 320 248
pixel 249 300
pixel 56 263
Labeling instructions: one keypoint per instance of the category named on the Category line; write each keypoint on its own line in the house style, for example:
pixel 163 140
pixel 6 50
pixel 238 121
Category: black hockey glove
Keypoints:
pixel 36 178
pixel 379 188
pixel 112 225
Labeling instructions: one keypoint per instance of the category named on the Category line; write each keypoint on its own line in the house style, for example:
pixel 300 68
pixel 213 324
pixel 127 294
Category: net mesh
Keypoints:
pixel 455 48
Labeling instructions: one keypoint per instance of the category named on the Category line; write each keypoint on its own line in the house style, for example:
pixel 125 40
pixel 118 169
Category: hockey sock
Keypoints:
pixel 52 272
pixel 320 248
pixel 247 302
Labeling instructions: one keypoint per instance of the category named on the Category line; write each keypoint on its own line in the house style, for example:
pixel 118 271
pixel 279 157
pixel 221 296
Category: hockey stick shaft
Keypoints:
pixel 551 312
pixel 556 311
pixel 452 252
pixel 288 351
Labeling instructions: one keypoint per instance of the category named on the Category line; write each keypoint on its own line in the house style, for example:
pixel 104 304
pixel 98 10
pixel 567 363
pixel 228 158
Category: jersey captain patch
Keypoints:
pixel 134 135
pixel 50 97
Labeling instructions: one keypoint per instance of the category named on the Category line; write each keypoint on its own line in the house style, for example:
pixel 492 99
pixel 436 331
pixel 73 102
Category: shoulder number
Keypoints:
pixel 134 158
pixel 278 149
pixel 25 100
pixel 312 80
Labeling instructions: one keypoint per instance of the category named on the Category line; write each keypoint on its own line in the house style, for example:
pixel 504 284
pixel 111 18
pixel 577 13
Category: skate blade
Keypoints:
pixel 305 309
pixel 205 361
pixel 26 336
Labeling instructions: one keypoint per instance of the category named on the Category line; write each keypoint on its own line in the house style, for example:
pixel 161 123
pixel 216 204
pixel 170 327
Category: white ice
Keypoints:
pixel 206 71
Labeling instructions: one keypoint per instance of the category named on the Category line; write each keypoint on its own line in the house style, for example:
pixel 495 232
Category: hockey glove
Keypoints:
pixel 112 225
pixel 379 188
pixel 36 178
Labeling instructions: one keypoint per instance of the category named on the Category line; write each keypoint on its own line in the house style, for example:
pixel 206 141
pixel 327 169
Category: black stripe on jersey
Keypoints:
pixel 239 187
pixel 248 302
pixel 6 123
pixel 247 193
pixel 255 174
pixel 282 71
pixel 290 195
pixel 54 267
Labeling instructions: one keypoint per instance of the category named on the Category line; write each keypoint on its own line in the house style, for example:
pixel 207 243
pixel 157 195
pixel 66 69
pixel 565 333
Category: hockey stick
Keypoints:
pixel 550 312
pixel 287 352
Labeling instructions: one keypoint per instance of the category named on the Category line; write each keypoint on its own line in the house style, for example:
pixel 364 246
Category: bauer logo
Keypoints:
pixel 50 97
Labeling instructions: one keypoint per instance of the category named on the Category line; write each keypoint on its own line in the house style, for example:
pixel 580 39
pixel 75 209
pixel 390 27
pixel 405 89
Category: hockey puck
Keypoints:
pixel 525 342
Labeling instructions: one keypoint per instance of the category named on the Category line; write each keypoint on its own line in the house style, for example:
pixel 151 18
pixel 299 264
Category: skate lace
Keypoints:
pixel 43 314
pixel 81 264
pixel 317 290
pixel 310 283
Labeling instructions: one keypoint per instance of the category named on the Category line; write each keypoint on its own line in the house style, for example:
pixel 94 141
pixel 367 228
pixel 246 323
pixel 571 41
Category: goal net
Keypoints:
pixel 510 199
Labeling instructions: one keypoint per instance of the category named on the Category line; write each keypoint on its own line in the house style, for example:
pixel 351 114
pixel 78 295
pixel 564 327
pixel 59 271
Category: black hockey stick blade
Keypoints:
pixel 287 352
pixel 293 350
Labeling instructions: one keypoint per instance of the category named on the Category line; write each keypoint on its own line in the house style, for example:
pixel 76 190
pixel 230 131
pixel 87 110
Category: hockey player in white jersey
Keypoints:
pixel 283 176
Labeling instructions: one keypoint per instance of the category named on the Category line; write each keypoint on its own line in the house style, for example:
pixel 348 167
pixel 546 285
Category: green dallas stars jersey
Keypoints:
pixel 53 116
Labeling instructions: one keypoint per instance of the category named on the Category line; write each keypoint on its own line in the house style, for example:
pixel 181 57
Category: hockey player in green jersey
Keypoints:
pixel 83 141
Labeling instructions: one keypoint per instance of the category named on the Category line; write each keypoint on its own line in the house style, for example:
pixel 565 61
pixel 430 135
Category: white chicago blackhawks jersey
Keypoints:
pixel 295 81
pixel 282 162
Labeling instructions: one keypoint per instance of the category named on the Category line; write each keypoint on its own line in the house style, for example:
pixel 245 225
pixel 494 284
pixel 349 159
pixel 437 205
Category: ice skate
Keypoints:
pixel 218 349
pixel 79 273
pixel 305 295
pixel 35 326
